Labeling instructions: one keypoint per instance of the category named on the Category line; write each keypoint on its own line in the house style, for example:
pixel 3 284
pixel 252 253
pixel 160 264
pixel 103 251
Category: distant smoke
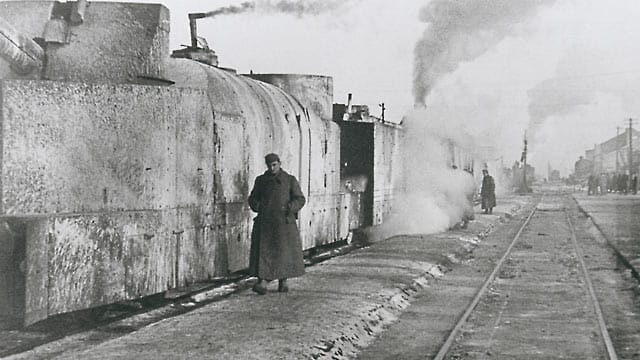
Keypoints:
pixel 462 30
pixel 557 97
pixel 299 8
pixel 581 77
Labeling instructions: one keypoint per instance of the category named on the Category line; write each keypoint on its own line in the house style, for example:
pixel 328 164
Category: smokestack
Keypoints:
pixel 194 28
pixel 196 52
pixel 24 54
pixel 347 110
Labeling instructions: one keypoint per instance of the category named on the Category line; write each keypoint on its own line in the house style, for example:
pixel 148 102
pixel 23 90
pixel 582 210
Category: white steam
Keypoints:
pixel 462 30
pixel 437 196
pixel 582 78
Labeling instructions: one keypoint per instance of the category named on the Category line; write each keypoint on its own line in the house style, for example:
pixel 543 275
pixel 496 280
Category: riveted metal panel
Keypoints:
pixel 386 169
pixel 36 275
pixel 94 147
pixel 149 246
pixel 85 263
pixel 92 260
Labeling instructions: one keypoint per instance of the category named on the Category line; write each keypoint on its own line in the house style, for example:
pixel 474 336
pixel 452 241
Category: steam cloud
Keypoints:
pixel 557 97
pixel 462 30
pixel 457 31
pixel 298 8
pixel 436 195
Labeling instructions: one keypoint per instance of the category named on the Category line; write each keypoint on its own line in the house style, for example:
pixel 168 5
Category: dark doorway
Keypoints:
pixel 356 163
pixel 12 272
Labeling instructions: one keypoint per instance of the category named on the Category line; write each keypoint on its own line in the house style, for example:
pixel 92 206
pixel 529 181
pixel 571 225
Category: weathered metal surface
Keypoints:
pixel 387 169
pixel 77 262
pixel 95 148
pixel 344 209
pixel 22 53
pixel 56 31
pixel 195 247
pixel 315 92
pixel 36 271
pixel 115 43
pixel 106 165
pixel 149 243
pixel 86 263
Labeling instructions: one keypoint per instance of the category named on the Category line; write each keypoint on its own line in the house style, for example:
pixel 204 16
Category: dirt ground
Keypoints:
pixel 399 298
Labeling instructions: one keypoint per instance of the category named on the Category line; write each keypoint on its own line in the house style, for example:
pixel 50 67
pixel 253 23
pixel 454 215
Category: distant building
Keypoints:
pixel 582 169
pixel 611 156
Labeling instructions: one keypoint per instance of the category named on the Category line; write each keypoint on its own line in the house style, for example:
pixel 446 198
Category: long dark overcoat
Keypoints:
pixel 488 192
pixel 276 249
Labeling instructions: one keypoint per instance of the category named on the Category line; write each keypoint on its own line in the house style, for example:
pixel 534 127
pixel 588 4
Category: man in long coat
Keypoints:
pixel 276 249
pixel 488 192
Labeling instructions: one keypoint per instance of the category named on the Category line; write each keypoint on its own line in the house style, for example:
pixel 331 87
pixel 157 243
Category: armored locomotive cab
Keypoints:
pixel 125 172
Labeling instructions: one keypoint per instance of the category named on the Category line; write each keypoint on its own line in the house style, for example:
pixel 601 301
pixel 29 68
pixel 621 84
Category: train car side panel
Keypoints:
pixel 387 169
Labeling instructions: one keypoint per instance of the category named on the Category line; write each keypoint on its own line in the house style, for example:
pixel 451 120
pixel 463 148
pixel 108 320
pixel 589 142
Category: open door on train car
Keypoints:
pixel 356 170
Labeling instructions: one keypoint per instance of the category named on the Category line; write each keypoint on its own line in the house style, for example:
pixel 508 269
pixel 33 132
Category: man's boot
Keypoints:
pixel 259 288
pixel 282 285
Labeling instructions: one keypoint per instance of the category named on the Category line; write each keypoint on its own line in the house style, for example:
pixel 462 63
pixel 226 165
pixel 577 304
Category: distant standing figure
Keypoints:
pixel 488 192
pixel 276 248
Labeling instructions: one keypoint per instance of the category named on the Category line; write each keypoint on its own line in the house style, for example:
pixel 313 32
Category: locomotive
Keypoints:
pixel 125 167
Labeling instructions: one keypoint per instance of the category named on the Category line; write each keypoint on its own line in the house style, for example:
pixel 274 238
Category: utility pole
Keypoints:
pixel 525 188
pixel 617 149
pixel 630 152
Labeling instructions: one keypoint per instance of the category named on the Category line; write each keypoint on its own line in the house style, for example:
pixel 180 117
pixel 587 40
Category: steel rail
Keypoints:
pixel 611 351
pixel 444 349
pixel 609 241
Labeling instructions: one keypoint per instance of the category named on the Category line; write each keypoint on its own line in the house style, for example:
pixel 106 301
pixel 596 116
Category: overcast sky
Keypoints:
pixel 566 70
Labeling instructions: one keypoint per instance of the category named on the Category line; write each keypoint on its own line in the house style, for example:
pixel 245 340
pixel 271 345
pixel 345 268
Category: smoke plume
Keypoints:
pixel 232 9
pixel 557 97
pixel 299 8
pixel 462 30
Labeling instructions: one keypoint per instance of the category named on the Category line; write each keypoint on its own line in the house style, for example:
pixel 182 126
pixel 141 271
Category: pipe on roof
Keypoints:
pixel 194 27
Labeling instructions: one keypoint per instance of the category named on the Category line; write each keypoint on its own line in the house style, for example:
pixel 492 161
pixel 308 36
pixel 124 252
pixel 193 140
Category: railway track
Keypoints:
pixel 539 301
